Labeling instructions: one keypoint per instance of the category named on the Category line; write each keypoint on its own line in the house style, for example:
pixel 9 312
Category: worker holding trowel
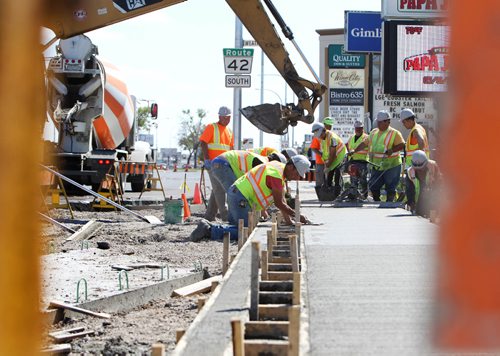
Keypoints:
pixel 384 145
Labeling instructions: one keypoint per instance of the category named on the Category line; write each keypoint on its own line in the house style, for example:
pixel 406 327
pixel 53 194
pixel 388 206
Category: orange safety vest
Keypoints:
pixel 222 140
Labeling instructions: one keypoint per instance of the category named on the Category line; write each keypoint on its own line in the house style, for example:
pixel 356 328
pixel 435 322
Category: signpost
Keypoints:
pixel 238 64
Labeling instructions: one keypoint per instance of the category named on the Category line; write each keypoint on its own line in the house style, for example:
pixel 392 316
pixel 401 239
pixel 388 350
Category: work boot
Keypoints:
pixel 202 231
pixel 376 196
pixel 391 196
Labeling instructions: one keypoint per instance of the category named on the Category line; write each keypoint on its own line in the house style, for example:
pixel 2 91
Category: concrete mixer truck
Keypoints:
pixel 94 114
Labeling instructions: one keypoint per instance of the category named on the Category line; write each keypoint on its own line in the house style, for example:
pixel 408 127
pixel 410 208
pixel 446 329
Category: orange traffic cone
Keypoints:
pixel 197 194
pixel 187 212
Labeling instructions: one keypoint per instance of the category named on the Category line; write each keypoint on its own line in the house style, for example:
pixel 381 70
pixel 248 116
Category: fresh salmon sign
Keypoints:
pixel 421 9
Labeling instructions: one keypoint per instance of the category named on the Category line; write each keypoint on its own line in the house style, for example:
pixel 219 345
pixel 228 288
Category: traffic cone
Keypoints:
pixel 197 194
pixel 187 212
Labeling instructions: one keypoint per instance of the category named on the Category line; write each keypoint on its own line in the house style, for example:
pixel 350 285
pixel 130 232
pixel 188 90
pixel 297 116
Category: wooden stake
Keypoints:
pixel 296 289
pixel 293 330
pixel 214 285
pixel 178 335
pixel 158 350
pixel 245 235
pixel 297 207
pixel 241 225
pixel 274 218
pixel 274 230
pixel 263 263
pixel 270 244
pixel 254 282
pixel 225 253
pixel 298 228
pixel 293 253
pixel 279 218
pixel 201 302
pixel 231 259
pixel 238 337
pixel 250 222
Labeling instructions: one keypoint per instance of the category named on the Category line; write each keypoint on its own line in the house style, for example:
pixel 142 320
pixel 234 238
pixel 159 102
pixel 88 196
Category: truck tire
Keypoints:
pixel 137 186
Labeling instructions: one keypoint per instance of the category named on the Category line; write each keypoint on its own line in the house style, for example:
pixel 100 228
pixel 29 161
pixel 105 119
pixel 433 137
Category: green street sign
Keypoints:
pixel 238 52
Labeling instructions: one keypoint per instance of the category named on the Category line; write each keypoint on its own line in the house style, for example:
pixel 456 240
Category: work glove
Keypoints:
pixel 208 164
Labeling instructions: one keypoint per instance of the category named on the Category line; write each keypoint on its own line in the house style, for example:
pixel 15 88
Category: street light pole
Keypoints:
pixel 261 133
pixel 238 41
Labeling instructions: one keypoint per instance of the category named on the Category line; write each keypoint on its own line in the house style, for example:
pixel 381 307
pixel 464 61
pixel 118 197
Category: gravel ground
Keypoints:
pixel 134 332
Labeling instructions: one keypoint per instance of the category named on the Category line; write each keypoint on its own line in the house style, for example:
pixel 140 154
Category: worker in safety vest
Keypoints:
pixel 231 165
pixel 289 152
pixel 422 180
pixel 358 161
pixel 316 148
pixel 264 185
pixel 263 151
pixel 215 140
pixel 333 154
pixel 417 138
pixel 384 145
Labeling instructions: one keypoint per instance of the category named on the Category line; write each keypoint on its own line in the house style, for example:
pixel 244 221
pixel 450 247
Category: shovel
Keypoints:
pixel 149 218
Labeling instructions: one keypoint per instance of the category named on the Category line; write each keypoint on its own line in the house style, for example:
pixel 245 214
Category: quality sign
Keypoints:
pixel 363 31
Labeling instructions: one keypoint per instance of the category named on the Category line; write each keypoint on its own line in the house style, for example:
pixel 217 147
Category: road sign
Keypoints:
pixel 250 43
pixel 238 81
pixel 238 60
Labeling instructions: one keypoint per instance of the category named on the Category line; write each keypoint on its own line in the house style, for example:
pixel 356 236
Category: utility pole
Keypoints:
pixel 238 43
pixel 261 133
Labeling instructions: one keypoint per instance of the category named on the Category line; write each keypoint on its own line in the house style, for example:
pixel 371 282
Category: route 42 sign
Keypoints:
pixel 238 60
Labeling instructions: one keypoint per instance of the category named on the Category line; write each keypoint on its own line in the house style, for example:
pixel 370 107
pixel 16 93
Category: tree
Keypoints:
pixel 144 119
pixel 190 132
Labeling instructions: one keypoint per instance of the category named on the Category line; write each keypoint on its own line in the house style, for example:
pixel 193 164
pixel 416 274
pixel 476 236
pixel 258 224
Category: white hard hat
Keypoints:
pixel 419 159
pixel 289 151
pixel 382 115
pixel 358 123
pixel 301 164
pixel 406 114
pixel 276 156
pixel 224 111
pixel 317 129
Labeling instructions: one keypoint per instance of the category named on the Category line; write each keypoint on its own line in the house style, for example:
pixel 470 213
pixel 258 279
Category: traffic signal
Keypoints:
pixel 154 110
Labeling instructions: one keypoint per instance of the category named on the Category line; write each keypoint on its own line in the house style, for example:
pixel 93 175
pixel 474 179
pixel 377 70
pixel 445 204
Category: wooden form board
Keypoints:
pixel 195 288
pixel 61 305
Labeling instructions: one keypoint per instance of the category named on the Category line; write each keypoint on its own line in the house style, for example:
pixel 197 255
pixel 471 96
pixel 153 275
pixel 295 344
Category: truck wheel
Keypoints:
pixel 137 187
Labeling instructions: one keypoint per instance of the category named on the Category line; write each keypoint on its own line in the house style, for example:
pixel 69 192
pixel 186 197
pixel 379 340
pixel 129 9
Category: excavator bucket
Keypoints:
pixel 267 117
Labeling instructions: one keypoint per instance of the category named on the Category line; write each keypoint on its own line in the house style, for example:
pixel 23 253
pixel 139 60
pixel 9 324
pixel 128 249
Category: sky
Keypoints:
pixel 174 57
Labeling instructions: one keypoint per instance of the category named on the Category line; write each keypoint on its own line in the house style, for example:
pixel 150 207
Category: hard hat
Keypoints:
pixel 276 156
pixel 419 159
pixel 382 115
pixel 301 164
pixel 358 123
pixel 406 114
pixel 328 121
pixel 224 111
pixel 289 152
pixel 317 129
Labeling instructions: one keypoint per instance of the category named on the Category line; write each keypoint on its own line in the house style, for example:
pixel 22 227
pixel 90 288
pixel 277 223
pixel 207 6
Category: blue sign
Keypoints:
pixel 363 31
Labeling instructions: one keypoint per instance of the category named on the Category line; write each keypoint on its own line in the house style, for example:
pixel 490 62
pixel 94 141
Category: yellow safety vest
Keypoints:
pixel 253 184
pixel 360 155
pixel 410 149
pixel 263 151
pixel 241 161
pixel 380 142
pixel 340 149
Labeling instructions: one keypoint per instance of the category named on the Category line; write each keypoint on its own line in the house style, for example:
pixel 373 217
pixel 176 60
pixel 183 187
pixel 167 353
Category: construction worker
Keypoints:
pixel 358 161
pixel 316 148
pixel 384 145
pixel 263 186
pixel 231 165
pixel 422 180
pixel 263 151
pixel 417 138
pixel 289 152
pixel 333 153
pixel 215 140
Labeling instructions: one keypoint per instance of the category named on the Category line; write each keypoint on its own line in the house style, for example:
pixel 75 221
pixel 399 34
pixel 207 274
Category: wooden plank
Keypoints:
pixel 273 311
pixel 158 350
pixel 269 244
pixel 266 329
pixel 238 337
pixel 56 349
pixel 293 253
pixel 195 288
pixel 296 288
pixel 275 297
pixel 280 276
pixel 68 335
pixel 294 330
pixel 225 253
pixel 85 231
pixel 179 333
pixel 66 331
pixel 263 262
pixel 241 224
pixel 266 347
pixel 201 302
pixel 121 268
pixel 279 267
pixel 56 304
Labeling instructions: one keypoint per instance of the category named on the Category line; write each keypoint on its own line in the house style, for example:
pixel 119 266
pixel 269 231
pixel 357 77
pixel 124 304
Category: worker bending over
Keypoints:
pixel 263 186
pixel 417 138
pixel 263 151
pixel 422 181
pixel 358 161
pixel 333 152
pixel 384 145
pixel 215 140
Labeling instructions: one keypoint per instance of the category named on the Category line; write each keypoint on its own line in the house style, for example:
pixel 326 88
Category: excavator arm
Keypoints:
pixel 68 18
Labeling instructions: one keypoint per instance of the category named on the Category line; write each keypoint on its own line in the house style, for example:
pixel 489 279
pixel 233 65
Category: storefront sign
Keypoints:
pixel 415 9
pixel 363 31
pixel 338 58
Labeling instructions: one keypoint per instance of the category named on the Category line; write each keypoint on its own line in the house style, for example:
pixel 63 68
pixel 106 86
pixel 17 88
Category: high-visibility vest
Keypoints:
pixel 316 143
pixel 353 144
pixel 241 161
pixel 410 149
pixel 430 177
pixel 340 149
pixel 380 142
pixel 263 151
pixel 221 141
pixel 253 184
